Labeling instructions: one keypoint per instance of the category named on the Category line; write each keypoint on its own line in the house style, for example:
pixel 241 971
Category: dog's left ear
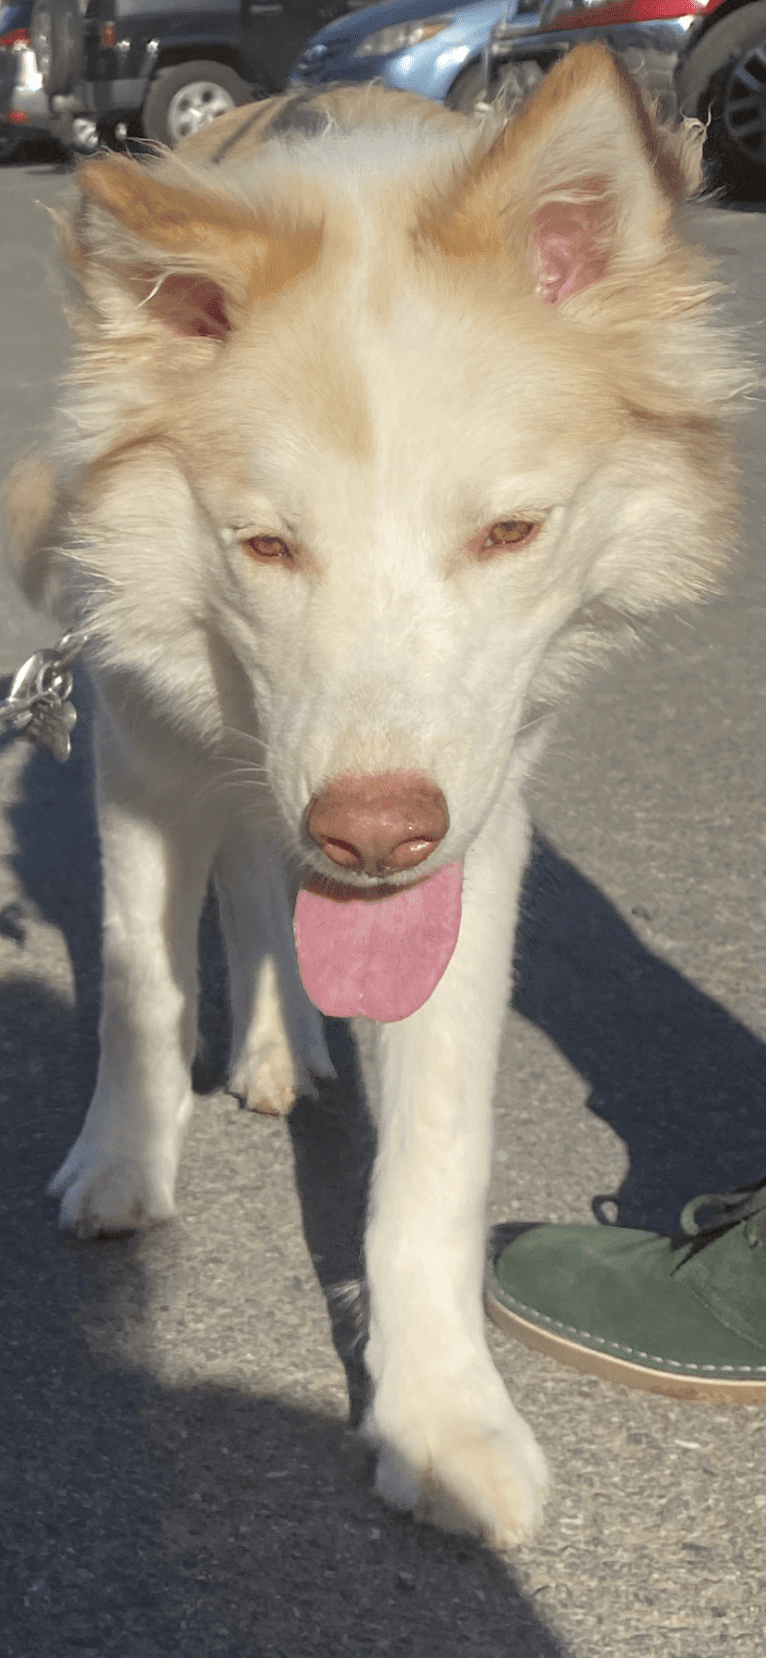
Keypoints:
pixel 578 186
pixel 188 254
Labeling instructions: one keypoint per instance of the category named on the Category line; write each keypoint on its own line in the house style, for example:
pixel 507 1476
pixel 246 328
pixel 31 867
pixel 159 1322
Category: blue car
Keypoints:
pixel 410 46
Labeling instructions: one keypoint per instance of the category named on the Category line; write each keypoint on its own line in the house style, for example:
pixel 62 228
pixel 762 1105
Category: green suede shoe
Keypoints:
pixel 684 1316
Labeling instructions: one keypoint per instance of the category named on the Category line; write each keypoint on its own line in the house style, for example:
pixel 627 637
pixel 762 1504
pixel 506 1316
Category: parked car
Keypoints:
pixel 408 45
pixel 26 108
pixel 162 68
pixel 709 56
pixel 156 69
pixel 23 104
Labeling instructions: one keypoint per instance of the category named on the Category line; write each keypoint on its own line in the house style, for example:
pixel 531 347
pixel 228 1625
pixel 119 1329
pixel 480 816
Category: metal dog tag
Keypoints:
pixel 50 727
pixel 38 701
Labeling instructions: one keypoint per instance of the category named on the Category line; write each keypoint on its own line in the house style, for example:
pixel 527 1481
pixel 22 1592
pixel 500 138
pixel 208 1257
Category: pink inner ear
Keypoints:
pixel 570 249
pixel 192 306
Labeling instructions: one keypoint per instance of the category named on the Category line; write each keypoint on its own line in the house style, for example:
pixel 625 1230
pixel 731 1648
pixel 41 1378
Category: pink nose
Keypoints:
pixel 378 825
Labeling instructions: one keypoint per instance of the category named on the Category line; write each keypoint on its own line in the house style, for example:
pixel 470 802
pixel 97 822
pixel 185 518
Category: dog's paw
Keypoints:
pixel 265 1078
pixel 104 1194
pixel 467 1476
pixel 269 1072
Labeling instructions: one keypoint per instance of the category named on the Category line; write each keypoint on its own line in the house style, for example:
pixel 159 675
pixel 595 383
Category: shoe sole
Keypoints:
pixel 716 1389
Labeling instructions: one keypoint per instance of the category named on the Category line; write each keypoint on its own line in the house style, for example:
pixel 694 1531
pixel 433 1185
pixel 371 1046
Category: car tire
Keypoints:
pixel 56 36
pixel 468 89
pixel 725 79
pixel 10 142
pixel 184 98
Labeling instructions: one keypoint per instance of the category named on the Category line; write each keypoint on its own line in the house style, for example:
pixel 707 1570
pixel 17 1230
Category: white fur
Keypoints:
pixel 230 691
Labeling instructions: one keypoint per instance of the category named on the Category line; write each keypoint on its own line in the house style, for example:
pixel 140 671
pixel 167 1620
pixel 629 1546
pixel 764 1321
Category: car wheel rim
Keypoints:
pixel 744 108
pixel 194 106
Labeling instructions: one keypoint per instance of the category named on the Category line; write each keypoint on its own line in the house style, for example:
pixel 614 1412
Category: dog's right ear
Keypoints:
pixel 178 248
pixel 577 188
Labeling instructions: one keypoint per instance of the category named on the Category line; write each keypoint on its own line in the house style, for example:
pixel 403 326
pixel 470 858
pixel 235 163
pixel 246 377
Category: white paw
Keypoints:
pixel 466 1475
pixel 267 1079
pixel 103 1192
pixel 269 1072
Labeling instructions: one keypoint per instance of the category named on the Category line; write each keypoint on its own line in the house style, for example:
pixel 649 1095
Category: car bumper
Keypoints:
pixel 649 50
pixel 347 70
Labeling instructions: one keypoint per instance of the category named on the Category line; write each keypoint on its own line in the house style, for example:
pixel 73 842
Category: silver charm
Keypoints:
pixel 38 705
pixel 51 725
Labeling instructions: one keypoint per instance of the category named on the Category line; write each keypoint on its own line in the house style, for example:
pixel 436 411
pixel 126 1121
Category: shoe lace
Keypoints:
pixel 713 1214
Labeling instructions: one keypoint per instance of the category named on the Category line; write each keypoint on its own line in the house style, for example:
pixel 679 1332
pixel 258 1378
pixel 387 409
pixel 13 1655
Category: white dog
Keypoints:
pixel 383 425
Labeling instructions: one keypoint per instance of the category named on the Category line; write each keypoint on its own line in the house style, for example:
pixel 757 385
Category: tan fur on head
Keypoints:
pixel 237 136
pixel 147 230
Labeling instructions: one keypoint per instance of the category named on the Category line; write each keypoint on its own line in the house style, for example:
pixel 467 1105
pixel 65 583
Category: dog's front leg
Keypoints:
pixel 452 1446
pixel 157 845
pixel 277 1041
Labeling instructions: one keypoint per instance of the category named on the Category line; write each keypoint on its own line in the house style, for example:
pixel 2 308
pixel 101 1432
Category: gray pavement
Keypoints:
pixel 177 1471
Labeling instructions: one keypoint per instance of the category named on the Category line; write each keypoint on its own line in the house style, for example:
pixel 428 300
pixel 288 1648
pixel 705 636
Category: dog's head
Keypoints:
pixel 382 433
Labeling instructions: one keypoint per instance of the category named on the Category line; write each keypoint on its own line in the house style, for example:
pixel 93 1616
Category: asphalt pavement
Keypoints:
pixel 177 1473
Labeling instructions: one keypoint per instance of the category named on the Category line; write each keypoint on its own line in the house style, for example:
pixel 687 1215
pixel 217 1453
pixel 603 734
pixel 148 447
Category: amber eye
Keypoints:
pixel 510 532
pixel 267 547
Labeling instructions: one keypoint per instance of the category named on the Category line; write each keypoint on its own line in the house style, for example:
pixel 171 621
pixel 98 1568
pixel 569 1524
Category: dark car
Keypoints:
pixel 161 69
pixel 165 67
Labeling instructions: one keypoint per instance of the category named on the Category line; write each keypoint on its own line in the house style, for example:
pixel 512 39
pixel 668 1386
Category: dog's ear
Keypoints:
pixel 194 257
pixel 32 508
pixel 578 186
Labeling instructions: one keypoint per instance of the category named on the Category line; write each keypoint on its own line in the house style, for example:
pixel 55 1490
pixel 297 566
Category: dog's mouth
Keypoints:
pixel 378 951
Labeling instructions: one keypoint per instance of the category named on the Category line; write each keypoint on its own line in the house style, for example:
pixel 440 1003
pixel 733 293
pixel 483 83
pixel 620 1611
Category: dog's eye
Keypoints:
pixel 510 532
pixel 267 547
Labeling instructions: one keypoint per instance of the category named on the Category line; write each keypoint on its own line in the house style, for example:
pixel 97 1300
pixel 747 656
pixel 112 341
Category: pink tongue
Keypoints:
pixel 381 957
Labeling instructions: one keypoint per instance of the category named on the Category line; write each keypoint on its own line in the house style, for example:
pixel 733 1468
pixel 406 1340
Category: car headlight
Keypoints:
pixel 399 35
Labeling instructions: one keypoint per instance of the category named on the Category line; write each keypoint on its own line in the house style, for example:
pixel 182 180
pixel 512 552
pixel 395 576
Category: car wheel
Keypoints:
pixel 56 35
pixel 468 90
pixel 9 142
pixel 183 99
pixel 725 79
